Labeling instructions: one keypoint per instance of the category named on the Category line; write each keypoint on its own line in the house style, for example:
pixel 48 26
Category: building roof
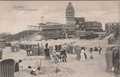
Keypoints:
pixel 80 19
pixel 41 23
pixel 50 25
pixel 112 24
pixel 69 7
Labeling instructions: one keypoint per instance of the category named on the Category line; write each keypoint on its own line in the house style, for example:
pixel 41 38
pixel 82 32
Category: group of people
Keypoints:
pixel 82 56
pixel 60 52
pixel 32 71
pixel 99 49
pixel 59 55
pixel 18 65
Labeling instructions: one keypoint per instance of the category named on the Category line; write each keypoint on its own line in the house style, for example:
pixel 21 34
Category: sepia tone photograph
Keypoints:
pixel 59 38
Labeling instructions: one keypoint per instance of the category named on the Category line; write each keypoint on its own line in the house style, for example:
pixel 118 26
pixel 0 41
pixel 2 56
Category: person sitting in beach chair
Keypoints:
pixel 17 66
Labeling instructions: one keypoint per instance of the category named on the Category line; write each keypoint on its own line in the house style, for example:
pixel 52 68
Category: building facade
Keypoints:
pixel 79 23
pixel 70 14
pixel 75 26
pixel 112 28
pixel 48 26
pixel 50 30
pixel 93 26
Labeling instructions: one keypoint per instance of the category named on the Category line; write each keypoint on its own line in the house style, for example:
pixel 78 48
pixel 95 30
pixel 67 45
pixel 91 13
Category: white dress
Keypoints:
pixel 82 55
pixel 21 66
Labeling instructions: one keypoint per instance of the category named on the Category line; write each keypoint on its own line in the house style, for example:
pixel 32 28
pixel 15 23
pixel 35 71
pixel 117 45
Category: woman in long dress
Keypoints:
pixel 82 54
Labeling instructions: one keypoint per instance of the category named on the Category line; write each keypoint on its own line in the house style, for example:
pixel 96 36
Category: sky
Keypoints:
pixel 16 15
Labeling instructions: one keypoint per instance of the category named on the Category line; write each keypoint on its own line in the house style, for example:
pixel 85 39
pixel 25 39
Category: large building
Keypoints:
pixel 112 28
pixel 75 26
pixel 93 26
pixel 48 26
pixel 50 30
pixel 70 14
pixel 79 23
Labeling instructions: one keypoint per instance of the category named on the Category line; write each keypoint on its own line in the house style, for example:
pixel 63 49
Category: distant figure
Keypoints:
pixel 47 52
pixel 56 47
pixel 17 47
pixel 100 49
pixel 17 67
pixel 63 55
pixel 46 45
pixel 28 51
pixel 82 54
pixel 59 47
pixel 95 49
pixel 91 50
pixel 91 53
pixel 78 53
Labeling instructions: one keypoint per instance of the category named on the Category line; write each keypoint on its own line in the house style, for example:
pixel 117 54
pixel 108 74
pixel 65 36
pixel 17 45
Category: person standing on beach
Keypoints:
pixel 47 52
pixel 100 49
pixel 18 66
pixel 82 54
pixel 91 53
pixel 63 55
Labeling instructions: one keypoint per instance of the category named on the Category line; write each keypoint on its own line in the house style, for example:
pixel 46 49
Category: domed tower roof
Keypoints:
pixel 69 7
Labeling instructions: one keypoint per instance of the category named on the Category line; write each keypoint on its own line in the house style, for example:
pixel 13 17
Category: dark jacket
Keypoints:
pixel 63 52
